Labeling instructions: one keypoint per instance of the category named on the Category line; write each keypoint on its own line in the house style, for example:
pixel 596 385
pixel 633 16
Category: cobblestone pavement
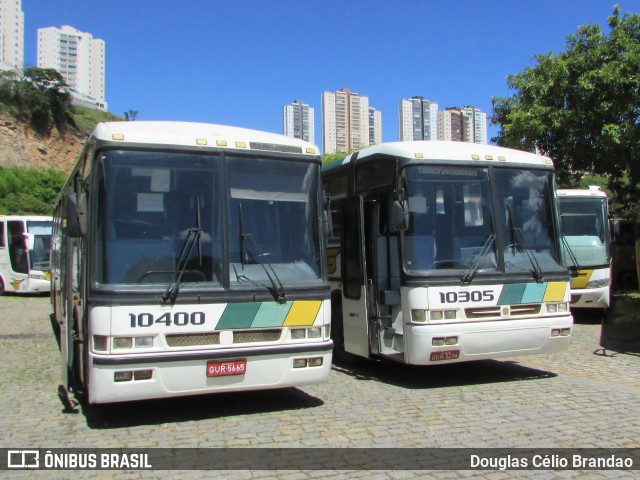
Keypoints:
pixel 588 396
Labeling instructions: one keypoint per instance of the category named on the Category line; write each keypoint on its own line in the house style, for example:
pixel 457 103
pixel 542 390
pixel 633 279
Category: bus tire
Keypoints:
pixel 1 286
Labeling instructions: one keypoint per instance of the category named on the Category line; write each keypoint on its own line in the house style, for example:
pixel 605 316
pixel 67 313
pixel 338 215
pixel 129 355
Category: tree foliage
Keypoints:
pixel 29 191
pixel 582 108
pixel 38 96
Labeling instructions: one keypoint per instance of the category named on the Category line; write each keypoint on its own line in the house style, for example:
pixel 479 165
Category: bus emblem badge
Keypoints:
pixel 504 311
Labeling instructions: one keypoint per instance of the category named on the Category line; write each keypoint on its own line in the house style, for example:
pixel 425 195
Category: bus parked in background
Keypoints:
pixel 445 252
pixel 24 253
pixel 584 222
pixel 189 259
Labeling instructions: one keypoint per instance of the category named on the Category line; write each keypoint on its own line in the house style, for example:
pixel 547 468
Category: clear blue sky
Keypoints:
pixel 237 62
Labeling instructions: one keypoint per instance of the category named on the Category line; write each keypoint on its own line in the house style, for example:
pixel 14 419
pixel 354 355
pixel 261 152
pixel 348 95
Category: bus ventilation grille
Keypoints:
pixel 199 339
pixel 193 340
pixel 515 311
pixel 256 336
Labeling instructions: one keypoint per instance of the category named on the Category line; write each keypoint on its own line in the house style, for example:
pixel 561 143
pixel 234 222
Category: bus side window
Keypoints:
pixel 2 242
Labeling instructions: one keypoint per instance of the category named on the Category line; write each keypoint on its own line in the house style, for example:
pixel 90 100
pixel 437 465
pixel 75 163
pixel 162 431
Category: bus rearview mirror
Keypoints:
pixel 76 214
pixel 399 216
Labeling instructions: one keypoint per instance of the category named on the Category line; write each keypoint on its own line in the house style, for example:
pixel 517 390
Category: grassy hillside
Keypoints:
pixel 87 118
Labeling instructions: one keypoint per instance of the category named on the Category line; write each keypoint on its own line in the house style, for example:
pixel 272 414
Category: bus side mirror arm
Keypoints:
pixel 76 214
pixel 328 220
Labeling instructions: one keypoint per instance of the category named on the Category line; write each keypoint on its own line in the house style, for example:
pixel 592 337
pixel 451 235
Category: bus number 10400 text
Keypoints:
pixel 464 297
pixel 177 318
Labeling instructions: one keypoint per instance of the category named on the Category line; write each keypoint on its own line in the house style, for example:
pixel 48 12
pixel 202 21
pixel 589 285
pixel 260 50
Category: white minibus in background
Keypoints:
pixel 584 222
pixel 25 242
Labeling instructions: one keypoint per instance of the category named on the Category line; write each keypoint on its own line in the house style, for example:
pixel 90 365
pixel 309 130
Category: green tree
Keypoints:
pixel 29 191
pixel 582 108
pixel 39 96
pixel 131 115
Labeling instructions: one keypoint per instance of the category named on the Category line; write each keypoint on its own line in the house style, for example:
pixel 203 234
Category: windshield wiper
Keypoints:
pixel 576 266
pixel 193 238
pixel 517 238
pixel 276 289
pixel 473 269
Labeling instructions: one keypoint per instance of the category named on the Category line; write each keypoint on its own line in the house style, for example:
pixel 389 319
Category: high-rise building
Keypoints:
pixel 11 35
pixel 79 58
pixel 375 126
pixel 346 121
pixel 466 124
pixel 298 121
pixel 417 119
pixel 477 125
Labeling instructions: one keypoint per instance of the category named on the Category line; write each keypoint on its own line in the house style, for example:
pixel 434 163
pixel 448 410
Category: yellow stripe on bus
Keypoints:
pixel 555 292
pixel 303 312
pixel 582 279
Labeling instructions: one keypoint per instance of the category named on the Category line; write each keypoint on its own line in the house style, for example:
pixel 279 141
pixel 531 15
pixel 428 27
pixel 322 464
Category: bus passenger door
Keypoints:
pixel 354 284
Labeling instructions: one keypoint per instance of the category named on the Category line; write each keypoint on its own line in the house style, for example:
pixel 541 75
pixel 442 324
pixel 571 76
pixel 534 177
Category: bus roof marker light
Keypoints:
pixel 419 155
pixel 241 144
pixel 117 137
pixel 221 143
pixel 201 141
pixel 475 156
pixel 502 158
pixel 311 151
pixel 488 157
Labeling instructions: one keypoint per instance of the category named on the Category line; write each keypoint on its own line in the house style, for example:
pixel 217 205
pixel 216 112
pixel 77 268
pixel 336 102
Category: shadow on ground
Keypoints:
pixel 193 408
pixel 621 327
pixel 438 376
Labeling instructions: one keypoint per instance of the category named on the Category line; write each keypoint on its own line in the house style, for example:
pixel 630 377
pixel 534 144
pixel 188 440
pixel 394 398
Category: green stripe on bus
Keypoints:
pixel 271 314
pixel 238 315
pixel 512 294
pixel 534 293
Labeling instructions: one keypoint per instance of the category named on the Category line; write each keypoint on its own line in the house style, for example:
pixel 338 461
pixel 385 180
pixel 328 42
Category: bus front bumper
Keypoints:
pixel 119 379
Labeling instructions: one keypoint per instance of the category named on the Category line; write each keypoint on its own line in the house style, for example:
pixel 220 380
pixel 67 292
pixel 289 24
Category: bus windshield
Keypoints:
pixel 39 256
pixel 151 203
pixel 454 224
pixel 584 225
pixel 273 221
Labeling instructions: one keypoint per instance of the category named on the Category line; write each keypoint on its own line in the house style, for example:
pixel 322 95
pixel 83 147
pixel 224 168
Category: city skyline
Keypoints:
pixel 223 63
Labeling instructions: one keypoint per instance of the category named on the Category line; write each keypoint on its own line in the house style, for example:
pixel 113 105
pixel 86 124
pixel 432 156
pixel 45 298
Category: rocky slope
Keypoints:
pixel 21 146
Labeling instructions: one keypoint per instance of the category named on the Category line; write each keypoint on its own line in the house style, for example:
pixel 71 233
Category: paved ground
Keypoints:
pixel 588 396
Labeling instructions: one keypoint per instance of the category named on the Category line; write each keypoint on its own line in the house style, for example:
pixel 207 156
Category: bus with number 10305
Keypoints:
pixel 189 259
pixel 445 252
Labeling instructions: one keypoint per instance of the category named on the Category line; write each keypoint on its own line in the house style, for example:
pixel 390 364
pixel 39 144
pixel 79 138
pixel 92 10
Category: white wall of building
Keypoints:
pixel 79 58
pixel 11 35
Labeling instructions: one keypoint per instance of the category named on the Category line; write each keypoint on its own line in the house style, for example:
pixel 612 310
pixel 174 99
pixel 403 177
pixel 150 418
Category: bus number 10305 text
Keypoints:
pixel 464 297
pixel 180 319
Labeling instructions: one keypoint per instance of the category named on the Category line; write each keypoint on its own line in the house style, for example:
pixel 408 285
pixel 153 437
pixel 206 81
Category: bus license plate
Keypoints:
pixel 445 355
pixel 227 367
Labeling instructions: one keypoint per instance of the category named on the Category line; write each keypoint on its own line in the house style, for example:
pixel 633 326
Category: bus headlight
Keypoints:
pixel 301 333
pixel 143 342
pixel 557 307
pixel 122 342
pixel 314 332
pixel 100 343
pixel 419 315
pixel 298 333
